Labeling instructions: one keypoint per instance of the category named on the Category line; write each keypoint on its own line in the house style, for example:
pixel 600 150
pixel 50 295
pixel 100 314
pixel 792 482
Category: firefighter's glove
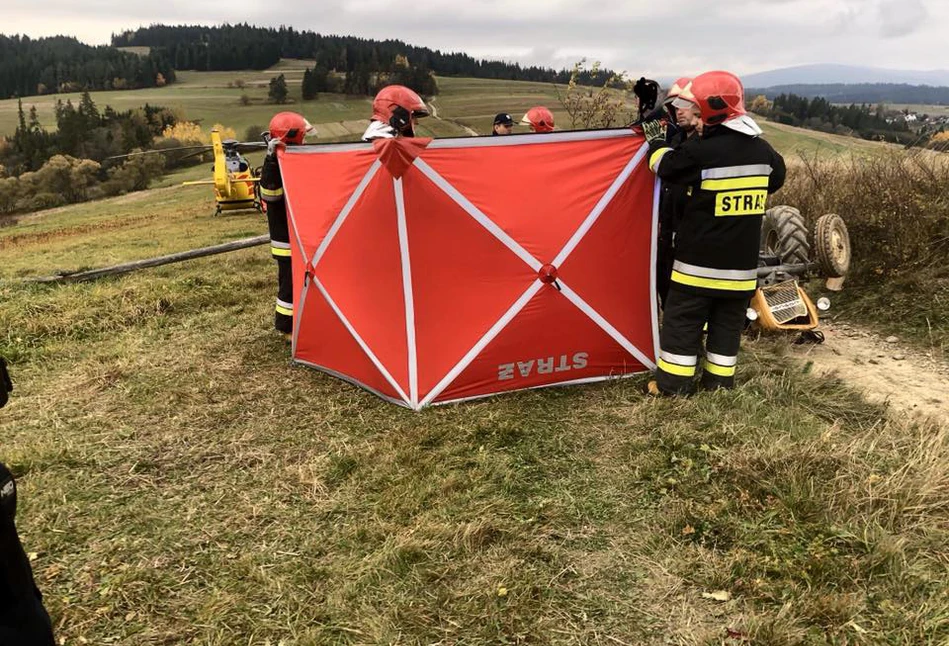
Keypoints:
pixel 655 132
pixel 272 145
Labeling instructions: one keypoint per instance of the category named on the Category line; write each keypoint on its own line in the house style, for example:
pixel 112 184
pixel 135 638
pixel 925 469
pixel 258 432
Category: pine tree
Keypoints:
pixel 309 89
pixel 278 90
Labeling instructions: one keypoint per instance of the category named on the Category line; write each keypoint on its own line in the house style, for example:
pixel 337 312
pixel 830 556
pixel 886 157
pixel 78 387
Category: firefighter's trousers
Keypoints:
pixel 283 317
pixel 680 341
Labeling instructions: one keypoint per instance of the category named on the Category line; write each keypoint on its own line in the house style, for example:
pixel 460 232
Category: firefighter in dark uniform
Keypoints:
pixel 729 171
pixel 286 129
pixel 672 197
pixel 23 619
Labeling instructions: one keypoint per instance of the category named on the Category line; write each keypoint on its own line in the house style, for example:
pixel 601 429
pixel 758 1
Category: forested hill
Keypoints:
pixel 862 93
pixel 63 64
pixel 234 47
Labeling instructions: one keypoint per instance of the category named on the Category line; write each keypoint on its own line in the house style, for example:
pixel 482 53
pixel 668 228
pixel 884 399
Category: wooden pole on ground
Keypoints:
pixel 125 268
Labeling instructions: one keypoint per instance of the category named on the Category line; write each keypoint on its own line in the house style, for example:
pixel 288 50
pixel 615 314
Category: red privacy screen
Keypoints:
pixel 435 271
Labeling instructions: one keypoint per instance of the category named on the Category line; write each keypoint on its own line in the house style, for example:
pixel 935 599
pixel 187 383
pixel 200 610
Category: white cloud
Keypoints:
pixel 641 37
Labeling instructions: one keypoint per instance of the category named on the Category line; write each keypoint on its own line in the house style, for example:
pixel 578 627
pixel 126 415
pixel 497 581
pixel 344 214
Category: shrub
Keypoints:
pixel 896 207
pixel 135 174
pixel 253 133
pixel 42 201
pixel 602 106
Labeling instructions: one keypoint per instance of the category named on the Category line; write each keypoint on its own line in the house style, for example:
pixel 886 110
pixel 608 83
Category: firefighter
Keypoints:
pixel 729 171
pixel 539 118
pixel 395 113
pixel 672 197
pixel 503 124
pixel 286 129
pixel 23 619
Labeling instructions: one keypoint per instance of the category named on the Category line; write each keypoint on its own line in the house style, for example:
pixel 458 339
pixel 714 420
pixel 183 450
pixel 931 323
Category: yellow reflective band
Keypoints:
pixel 656 157
pixel 758 181
pixel 714 283
pixel 740 203
pixel 286 311
pixel 673 369
pixel 276 192
pixel 277 251
pixel 721 371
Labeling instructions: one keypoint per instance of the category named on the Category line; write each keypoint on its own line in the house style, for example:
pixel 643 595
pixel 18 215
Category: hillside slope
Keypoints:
pixel 214 97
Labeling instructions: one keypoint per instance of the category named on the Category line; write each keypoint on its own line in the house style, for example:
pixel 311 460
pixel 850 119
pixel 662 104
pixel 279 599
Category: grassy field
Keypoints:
pixel 919 108
pixel 211 97
pixel 183 483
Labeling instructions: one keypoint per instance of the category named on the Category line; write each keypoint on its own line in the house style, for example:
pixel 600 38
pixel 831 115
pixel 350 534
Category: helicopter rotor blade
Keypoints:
pixel 157 152
pixel 195 154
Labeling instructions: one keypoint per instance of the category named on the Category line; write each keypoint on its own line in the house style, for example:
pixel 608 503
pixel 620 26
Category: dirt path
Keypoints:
pixel 434 108
pixel 883 367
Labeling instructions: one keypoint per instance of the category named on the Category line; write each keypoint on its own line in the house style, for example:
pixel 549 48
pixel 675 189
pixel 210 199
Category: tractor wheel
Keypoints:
pixel 784 234
pixel 832 245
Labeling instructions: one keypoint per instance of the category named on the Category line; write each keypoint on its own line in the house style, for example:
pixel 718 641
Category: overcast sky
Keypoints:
pixel 642 37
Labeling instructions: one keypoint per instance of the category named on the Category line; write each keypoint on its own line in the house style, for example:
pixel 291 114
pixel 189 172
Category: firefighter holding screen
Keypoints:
pixel 395 113
pixel 729 171
pixel 539 119
pixel 286 129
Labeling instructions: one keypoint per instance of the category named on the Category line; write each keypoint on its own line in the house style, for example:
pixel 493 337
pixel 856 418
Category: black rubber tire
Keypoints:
pixel 832 245
pixel 784 234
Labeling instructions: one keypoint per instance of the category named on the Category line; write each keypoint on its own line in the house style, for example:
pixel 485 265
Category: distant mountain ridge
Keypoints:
pixel 827 73
pixel 872 93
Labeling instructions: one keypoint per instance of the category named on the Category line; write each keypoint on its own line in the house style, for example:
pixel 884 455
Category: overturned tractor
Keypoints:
pixel 789 256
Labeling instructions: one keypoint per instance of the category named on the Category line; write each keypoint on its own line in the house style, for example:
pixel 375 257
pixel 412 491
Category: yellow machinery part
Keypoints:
pixel 767 321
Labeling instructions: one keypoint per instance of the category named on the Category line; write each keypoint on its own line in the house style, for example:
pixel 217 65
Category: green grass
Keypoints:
pixel 794 142
pixel 183 483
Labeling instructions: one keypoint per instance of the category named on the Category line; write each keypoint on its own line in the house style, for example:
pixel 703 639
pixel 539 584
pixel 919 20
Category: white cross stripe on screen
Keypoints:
pixel 409 297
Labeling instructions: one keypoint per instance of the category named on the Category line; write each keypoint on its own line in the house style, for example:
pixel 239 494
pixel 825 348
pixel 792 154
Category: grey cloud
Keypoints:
pixel 640 37
pixel 901 17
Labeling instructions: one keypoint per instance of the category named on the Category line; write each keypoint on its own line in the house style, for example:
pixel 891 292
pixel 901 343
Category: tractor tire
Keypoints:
pixel 784 234
pixel 832 245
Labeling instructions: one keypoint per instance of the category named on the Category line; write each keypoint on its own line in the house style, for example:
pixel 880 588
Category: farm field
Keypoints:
pixel 932 110
pixel 462 103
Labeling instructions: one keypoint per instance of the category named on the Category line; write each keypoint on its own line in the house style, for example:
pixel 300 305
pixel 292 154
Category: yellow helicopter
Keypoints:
pixel 235 181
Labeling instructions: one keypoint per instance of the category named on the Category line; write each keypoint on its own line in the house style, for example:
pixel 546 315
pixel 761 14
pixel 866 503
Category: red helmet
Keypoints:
pixel 290 127
pixel 676 90
pixel 539 118
pixel 395 105
pixel 719 95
